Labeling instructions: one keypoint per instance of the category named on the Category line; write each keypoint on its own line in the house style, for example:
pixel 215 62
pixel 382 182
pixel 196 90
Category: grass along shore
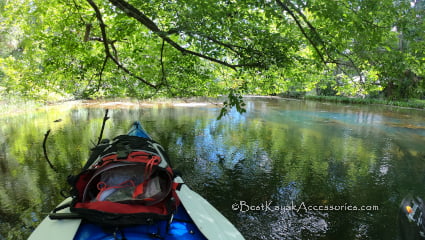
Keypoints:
pixel 411 103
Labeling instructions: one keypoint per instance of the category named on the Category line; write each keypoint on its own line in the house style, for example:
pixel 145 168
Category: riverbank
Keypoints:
pixel 17 106
pixel 411 103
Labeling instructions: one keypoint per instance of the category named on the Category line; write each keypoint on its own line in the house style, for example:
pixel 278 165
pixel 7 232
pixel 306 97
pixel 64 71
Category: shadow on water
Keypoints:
pixel 275 171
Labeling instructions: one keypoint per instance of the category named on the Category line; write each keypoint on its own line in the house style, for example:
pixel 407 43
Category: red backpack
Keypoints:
pixel 125 182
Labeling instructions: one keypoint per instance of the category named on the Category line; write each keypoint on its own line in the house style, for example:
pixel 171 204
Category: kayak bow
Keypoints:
pixel 195 219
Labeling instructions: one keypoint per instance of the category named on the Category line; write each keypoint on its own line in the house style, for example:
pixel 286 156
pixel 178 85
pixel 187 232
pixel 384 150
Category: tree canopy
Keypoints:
pixel 175 48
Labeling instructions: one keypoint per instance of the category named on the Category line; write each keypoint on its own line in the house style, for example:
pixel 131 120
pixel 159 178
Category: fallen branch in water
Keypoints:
pixel 105 118
pixel 46 135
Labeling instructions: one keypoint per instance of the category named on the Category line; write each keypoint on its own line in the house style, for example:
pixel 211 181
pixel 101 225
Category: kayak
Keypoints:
pixel 194 218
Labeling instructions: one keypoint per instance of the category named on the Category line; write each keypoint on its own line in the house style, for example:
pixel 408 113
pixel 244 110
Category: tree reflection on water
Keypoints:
pixel 280 151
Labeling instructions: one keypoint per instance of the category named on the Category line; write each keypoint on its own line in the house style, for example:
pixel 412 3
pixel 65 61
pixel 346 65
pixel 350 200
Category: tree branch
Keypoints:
pixel 300 26
pixel 101 73
pixel 133 12
pixel 87 33
pixel 162 62
pixel 105 118
pixel 46 135
pixel 108 51
pixel 232 47
pixel 318 39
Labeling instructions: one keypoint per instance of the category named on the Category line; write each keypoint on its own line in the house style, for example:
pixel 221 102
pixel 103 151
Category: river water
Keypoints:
pixel 285 169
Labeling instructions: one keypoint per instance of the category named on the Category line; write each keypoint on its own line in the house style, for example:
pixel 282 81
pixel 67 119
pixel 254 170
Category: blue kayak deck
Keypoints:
pixel 182 227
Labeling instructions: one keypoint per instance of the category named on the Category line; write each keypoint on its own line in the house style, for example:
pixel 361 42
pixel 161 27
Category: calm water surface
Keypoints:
pixel 253 167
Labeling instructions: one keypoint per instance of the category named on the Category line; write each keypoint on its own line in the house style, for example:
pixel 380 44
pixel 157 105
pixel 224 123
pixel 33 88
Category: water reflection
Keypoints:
pixel 280 151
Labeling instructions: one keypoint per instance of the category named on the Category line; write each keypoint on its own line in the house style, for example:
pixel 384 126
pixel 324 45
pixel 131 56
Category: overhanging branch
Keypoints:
pixel 133 12
pixel 315 39
pixel 106 44
pixel 304 33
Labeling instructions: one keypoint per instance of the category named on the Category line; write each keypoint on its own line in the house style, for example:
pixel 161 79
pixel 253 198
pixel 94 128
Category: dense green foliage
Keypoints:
pixel 93 48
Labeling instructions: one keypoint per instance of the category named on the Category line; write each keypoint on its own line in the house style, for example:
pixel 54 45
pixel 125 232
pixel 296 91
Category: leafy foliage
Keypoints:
pixel 92 48
pixel 234 99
